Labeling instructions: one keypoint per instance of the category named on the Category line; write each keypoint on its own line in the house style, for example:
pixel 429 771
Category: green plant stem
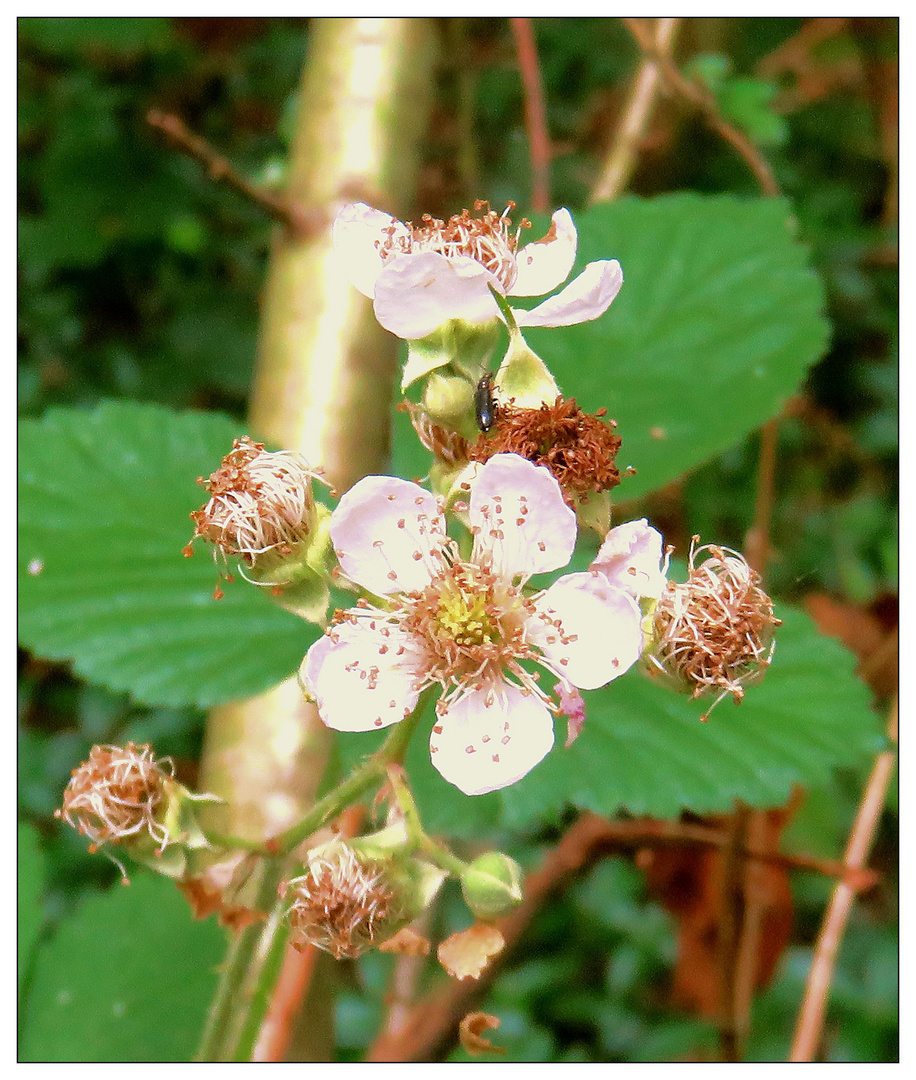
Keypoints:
pixel 420 841
pixel 273 946
pixel 242 950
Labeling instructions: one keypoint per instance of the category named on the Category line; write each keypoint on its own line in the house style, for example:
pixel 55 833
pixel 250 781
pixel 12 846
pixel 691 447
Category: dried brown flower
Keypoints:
pixel 578 448
pixel 260 502
pixel 714 631
pixel 343 904
pixel 115 794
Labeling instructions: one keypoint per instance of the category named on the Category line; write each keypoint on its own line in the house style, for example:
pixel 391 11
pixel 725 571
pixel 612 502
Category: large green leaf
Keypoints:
pixel 644 749
pixel 31 883
pixel 104 499
pixel 717 322
pixel 127 977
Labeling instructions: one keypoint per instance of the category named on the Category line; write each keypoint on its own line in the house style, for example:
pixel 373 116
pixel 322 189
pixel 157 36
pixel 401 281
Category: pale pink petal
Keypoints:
pixel 572 705
pixel 416 293
pixel 631 559
pixel 361 674
pixel 544 264
pixel 357 232
pixel 387 534
pixel 588 630
pixel 584 298
pixel 519 517
pixel 481 747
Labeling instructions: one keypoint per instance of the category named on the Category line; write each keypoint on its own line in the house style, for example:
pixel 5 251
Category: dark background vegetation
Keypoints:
pixel 139 278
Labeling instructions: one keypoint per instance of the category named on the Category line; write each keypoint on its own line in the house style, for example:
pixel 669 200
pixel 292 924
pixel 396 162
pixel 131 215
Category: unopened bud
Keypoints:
pixel 714 632
pixel 492 885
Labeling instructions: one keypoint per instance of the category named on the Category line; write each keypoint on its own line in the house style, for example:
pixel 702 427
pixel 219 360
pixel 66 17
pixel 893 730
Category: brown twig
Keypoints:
pixel 637 112
pixel 426 1029
pixel 535 119
pixel 810 1021
pixel 704 101
pixel 730 933
pixel 302 223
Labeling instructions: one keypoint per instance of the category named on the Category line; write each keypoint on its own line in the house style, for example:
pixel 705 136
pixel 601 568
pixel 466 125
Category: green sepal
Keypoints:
pixel 523 377
pixel 466 346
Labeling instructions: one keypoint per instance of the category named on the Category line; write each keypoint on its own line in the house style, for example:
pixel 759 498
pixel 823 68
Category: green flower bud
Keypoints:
pixel 491 885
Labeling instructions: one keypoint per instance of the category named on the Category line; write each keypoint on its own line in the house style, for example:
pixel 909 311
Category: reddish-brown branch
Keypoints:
pixel 428 1028
pixel 810 1021
pixel 636 114
pixel 301 222
pixel 296 974
pixel 535 117
pixel 704 101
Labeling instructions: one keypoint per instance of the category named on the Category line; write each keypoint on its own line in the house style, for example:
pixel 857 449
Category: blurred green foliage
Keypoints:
pixel 139 279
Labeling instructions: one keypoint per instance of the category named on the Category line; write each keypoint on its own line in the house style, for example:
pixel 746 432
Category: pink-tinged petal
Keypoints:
pixel 361 675
pixel 519 517
pixel 480 747
pixel 631 559
pixel 588 630
pixel 585 298
pixel 572 705
pixel 546 263
pixel 357 232
pixel 387 534
pixel 416 293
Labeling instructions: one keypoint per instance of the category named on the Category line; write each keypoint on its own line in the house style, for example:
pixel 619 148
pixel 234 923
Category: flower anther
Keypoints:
pixel 467 625
pixel 420 276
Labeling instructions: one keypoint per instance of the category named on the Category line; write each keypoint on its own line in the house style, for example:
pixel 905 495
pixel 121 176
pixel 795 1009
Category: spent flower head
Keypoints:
pixel 467 624
pixel 578 448
pixel 117 794
pixel 714 632
pixel 260 502
pixel 422 276
pixel 356 895
pixel 342 904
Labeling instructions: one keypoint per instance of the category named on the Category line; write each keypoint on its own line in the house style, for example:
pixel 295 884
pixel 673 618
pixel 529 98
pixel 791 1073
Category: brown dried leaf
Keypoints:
pixel 470 1032
pixel 408 942
pixel 688 882
pixel 466 954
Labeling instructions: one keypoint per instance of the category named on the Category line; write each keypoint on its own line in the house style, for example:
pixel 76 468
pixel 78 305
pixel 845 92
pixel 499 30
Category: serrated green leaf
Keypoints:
pixel 644 749
pixel 104 499
pixel 719 318
pixel 31 883
pixel 127 977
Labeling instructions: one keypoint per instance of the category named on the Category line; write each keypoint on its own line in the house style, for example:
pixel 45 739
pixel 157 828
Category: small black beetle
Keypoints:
pixel 485 404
